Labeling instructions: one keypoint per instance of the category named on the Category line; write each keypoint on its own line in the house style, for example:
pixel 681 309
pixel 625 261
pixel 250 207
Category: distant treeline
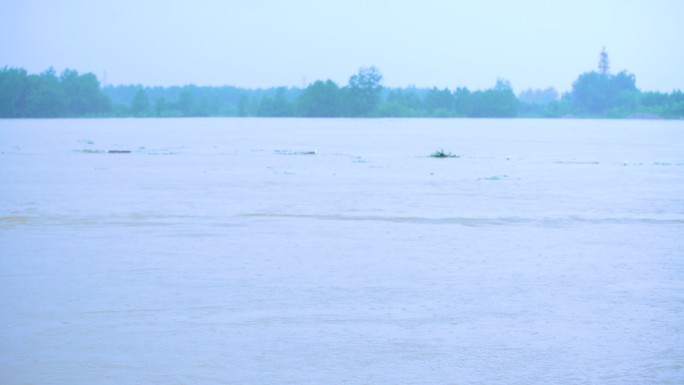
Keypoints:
pixel 361 98
pixel 48 95
pixel 595 94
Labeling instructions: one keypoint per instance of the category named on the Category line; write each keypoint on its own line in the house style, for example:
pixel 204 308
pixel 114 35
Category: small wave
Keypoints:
pixel 478 221
pixel 137 220
pixel 576 162
pixel 133 220
pixel 14 220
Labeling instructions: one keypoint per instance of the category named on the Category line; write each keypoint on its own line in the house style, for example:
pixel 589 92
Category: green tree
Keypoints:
pixel 462 101
pixel 505 102
pixel 186 102
pixel 46 98
pixel 538 97
pixel 535 102
pixel 364 91
pixel 594 93
pixel 321 99
pixel 600 93
pixel 140 106
pixel 278 106
pixel 401 103
pixel 497 102
pixel 162 107
pixel 559 108
pixel 83 94
pixel 242 105
pixel 590 93
pixel 439 103
pixel 14 87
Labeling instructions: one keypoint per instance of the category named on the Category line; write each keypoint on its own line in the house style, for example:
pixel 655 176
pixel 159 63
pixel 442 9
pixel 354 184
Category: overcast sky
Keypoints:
pixel 263 43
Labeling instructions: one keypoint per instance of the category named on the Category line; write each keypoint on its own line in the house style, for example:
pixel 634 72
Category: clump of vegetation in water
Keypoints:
pixel 442 154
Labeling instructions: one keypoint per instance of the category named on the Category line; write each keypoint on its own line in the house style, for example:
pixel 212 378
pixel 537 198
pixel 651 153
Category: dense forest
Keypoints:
pixel 47 95
pixel 595 94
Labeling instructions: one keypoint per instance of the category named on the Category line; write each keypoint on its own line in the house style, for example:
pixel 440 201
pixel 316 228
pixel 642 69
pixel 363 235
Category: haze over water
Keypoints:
pixel 268 43
pixel 255 251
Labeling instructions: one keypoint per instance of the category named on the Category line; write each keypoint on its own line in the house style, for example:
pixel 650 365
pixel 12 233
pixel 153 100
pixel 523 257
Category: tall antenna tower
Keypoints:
pixel 604 64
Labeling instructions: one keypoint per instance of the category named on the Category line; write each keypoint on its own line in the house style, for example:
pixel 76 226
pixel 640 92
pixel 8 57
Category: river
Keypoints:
pixel 307 251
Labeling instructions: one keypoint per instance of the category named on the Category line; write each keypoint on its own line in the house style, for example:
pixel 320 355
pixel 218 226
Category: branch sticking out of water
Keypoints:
pixel 442 154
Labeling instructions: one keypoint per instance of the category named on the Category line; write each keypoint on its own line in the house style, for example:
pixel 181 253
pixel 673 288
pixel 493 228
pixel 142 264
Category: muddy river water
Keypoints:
pixel 288 251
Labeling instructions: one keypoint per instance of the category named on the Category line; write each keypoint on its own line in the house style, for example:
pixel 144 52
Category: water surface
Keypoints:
pixel 254 251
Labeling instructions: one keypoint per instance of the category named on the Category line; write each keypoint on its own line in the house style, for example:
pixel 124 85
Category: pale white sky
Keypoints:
pixel 263 43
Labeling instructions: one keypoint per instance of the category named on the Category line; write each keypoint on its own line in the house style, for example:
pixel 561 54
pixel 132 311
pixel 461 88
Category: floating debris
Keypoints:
pixel 94 151
pixel 668 164
pixel 495 177
pixel 287 152
pixel 442 154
